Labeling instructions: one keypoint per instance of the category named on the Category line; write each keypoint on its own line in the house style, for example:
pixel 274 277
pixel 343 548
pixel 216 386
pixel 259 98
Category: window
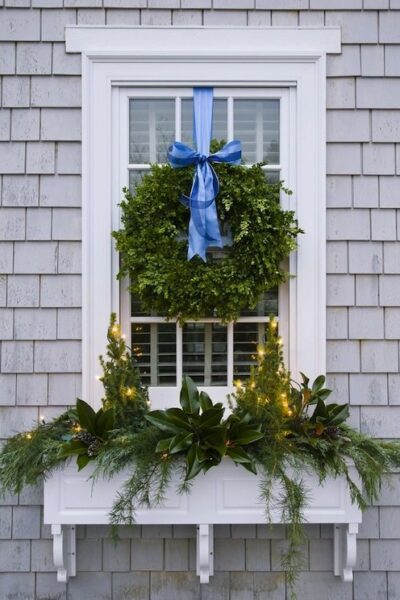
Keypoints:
pixel 118 60
pixel 148 121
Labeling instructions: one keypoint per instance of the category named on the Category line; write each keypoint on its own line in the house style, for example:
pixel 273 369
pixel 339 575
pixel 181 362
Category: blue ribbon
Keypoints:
pixel 203 226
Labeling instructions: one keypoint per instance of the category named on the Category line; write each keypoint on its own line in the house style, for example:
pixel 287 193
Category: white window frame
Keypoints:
pixel 233 57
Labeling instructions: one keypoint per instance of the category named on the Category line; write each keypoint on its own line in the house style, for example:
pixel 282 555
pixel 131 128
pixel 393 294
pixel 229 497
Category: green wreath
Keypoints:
pixel 153 244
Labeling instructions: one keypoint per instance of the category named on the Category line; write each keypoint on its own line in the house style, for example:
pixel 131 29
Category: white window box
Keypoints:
pixel 225 494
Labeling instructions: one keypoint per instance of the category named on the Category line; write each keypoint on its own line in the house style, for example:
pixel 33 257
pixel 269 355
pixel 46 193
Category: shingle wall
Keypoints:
pixel 40 294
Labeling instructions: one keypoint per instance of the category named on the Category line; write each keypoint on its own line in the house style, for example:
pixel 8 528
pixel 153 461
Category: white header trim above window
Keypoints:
pixel 202 41
pixel 282 57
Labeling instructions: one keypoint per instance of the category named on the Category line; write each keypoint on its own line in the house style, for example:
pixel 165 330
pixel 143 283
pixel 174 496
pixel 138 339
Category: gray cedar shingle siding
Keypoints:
pixel 40 293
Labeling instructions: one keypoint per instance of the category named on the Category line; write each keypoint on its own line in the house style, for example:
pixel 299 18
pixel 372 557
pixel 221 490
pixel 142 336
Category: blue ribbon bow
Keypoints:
pixel 203 226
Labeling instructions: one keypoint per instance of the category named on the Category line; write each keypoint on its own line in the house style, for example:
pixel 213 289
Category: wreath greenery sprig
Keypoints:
pixel 277 428
pixel 153 243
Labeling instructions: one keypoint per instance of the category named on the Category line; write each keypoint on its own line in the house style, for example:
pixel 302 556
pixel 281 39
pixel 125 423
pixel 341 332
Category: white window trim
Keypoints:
pixel 233 57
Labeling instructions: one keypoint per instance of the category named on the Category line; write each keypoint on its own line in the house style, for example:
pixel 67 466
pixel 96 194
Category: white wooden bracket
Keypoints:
pixel 345 550
pixel 64 551
pixel 205 552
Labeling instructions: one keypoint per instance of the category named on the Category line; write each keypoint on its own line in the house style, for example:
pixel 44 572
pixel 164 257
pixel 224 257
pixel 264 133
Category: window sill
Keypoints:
pixel 224 495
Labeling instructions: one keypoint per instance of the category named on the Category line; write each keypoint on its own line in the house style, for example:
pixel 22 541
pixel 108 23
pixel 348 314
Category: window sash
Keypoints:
pixel 282 94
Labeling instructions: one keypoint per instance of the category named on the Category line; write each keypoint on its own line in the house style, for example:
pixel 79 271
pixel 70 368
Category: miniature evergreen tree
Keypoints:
pixel 121 380
pixel 267 395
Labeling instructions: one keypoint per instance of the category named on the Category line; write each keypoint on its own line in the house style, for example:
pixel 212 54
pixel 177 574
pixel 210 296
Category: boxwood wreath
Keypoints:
pixel 153 243
pixel 277 428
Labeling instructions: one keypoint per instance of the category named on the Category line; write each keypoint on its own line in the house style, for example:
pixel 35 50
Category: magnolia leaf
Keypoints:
pixel 180 442
pixel 305 379
pixel 237 454
pixel 341 414
pixel 250 467
pixel 71 448
pixel 161 420
pixel 178 418
pixel 104 422
pixel 320 411
pixel 86 416
pixel 193 465
pixel 318 383
pixel 211 417
pixel 216 439
pixel 82 460
pixel 163 445
pixel 189 397
pixel 205 401
pixel 248 436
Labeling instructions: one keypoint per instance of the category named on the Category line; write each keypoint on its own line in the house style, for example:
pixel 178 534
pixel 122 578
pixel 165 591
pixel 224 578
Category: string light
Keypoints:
pixel 97 378
pixel 280 341
pixel 273 324
pixel 129 392
pixel 42 419
pixel 115 330
pixel 28 436
pixel 260 351
pixel 238 384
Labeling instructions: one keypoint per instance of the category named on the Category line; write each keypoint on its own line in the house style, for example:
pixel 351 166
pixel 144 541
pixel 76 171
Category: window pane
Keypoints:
pixel 205 353
pixel 246 336
pixel 256 124
pixel 154 347
pixel 151 129
pixel 272 176
pixel 219 126
pixel 268 305
pixel 135 177
pixel 138 311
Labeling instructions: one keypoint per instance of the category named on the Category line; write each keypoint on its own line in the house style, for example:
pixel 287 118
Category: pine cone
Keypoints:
pixel 332 431
pixel 85 437
pixel 94 448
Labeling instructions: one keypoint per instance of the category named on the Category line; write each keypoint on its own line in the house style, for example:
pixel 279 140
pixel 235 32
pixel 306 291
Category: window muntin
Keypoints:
pixel 212 353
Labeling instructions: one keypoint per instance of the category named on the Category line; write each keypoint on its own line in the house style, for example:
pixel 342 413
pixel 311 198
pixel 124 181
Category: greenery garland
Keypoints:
pixel 153 244
pixel 276 428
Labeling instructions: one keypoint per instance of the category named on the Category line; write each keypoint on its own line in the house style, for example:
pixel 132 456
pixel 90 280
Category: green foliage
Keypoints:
pixel 91 430
pixel 278 428
pixel 302 433
pixel 27 457
pixel 153 244
pixel 124 393
pixel 199 432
